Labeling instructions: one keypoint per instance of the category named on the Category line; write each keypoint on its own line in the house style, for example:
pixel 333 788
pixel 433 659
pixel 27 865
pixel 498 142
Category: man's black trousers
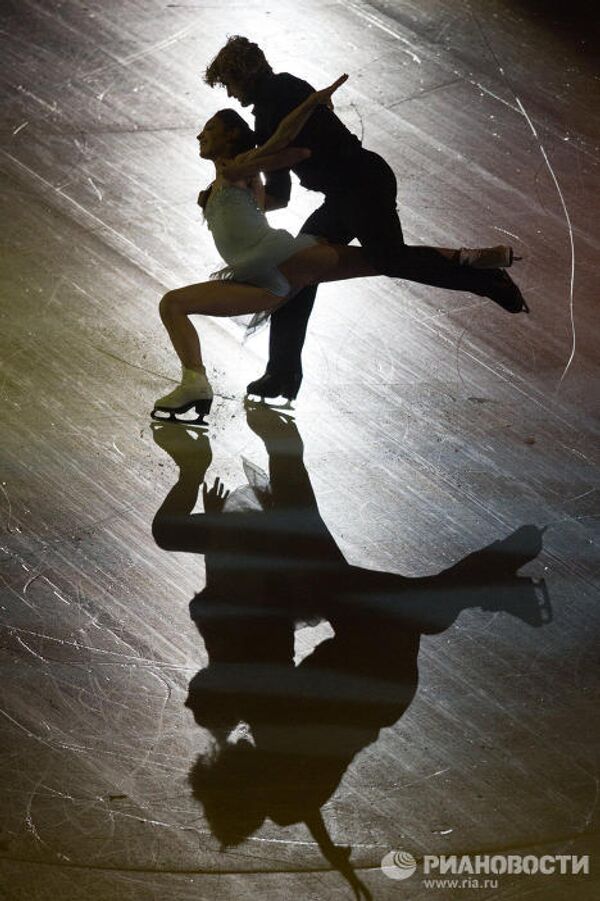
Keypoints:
pixel 362 205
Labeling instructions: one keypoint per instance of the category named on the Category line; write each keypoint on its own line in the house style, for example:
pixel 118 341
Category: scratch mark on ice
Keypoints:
pixel 53 107
pixel 527 118
pixel 571 241
pixel 55 591
pixel 95 188
pixel 30 650
pixel 29 581
pixel 9 517
pixel 135 254
pixel 505 231
pixel 374 20
pixel 579 496
pixel 139 54
pixel 24 729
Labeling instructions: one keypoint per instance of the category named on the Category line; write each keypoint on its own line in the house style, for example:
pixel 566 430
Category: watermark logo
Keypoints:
pixel 512 864
pixel 469 868
pixel 398 864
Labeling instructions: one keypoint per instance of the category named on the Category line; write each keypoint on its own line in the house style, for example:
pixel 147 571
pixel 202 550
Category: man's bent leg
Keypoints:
pixel 288 332
pixel 289 322
pixel 286 340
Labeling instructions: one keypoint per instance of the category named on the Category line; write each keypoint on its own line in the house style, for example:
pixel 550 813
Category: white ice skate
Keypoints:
pixel 499 257
pixel 194 392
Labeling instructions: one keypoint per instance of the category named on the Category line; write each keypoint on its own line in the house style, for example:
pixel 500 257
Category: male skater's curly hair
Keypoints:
pixel 239 60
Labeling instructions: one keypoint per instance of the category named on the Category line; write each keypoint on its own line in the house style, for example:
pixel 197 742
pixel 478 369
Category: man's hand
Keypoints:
pixel 214 498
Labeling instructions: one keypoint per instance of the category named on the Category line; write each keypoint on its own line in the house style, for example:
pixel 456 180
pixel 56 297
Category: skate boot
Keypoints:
pixel 503 291
pixel 272 385
pixel 194 392
pixel 499 257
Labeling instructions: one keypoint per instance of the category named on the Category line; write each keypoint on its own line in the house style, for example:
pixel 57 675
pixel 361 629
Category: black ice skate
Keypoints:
pixel 273 385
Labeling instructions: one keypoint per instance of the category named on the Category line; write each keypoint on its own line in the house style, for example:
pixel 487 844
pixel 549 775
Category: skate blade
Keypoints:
pixel 178 414
pixel 274 403
pixel 543 598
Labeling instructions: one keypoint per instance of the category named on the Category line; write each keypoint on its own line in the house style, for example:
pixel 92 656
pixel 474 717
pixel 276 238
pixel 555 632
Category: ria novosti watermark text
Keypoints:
pixel 402 865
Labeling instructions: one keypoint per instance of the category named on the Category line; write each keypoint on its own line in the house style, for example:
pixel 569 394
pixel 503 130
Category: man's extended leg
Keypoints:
pixel 370 210
pixel 288 324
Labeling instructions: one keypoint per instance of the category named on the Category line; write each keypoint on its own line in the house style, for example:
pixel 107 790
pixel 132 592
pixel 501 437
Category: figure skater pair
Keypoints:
pixel 271 273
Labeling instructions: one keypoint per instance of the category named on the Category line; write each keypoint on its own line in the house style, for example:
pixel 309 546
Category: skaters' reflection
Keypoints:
pixel 271 563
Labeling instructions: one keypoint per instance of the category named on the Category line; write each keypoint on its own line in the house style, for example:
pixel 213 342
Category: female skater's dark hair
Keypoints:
pixel 229 784
pixel 239 60
pixel 242 138
pixel 245 139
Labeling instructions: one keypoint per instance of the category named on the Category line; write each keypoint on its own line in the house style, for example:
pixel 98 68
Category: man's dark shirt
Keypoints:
pixel 333 147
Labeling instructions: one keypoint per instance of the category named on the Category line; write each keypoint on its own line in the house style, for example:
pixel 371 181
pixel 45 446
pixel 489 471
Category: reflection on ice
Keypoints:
pixel 284 732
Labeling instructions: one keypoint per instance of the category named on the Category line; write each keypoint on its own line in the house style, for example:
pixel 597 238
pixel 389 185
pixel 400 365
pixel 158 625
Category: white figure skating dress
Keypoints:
pixel 250 247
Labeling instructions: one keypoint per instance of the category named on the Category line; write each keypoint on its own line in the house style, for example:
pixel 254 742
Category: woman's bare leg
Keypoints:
pixel 335 262
pixel 320 263
pixel 326 263
pixel 225 298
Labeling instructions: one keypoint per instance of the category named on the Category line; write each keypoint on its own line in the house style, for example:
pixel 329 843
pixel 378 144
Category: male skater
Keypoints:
pixel 360 202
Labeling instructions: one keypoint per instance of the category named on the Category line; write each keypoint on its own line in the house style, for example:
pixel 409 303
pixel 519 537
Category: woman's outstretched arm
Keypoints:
pixel 292 124
pixel 244 167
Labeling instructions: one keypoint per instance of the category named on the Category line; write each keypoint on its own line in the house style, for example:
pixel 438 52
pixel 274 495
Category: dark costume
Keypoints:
pixel 360 202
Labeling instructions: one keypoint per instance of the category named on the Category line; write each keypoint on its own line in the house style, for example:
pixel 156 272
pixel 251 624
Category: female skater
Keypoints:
pixel 266 266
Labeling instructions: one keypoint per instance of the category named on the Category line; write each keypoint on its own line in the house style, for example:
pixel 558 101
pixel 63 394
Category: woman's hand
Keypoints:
pixel 323 96
pixel 214 498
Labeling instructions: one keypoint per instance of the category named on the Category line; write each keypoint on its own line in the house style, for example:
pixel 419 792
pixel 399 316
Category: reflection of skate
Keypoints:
pixel 544 606
pixel 188 446
pixel 499 257
pixel 194 393
pixel 525 597
pixel 271 423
